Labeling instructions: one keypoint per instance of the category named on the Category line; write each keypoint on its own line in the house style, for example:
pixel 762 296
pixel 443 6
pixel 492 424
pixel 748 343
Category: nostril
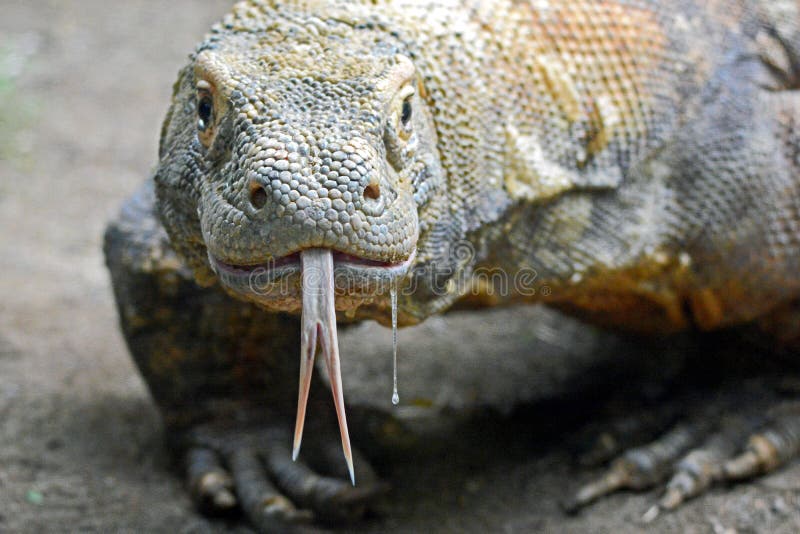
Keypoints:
pixel 258 196
pixel 373 191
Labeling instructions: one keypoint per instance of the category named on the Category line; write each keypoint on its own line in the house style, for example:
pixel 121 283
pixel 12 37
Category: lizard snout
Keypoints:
pixel 284 195
pixel 344 177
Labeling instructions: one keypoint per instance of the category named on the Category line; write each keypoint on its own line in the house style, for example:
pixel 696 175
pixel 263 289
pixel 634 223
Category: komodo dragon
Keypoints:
pixel 634 163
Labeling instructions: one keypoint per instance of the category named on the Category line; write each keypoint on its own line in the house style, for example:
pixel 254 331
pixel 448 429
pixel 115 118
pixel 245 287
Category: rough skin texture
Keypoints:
pixel 640 158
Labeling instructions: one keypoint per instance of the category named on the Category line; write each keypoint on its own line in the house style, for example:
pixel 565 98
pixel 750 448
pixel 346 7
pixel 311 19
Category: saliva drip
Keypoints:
pixel 395 395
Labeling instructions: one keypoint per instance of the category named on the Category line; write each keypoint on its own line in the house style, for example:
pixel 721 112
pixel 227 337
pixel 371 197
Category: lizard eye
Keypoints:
pixel 405 112
pixel 205 112
pixel 404 116
pixel 398 134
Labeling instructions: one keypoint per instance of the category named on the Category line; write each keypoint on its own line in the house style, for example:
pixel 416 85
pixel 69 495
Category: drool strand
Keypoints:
pixel 395 395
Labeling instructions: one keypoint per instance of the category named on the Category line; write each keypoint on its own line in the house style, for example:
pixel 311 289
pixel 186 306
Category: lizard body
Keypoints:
pixel 635 163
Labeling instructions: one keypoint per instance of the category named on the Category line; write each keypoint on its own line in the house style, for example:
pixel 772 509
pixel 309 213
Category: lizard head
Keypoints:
pixel 295 161
pixel 297 134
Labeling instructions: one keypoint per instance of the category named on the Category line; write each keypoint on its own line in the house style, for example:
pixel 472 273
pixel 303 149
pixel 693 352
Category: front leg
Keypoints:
pixel 224 375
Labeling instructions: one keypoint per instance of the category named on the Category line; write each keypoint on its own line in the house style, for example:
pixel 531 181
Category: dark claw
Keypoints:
pixel 334 499
pixel 210 485
pixel 263 504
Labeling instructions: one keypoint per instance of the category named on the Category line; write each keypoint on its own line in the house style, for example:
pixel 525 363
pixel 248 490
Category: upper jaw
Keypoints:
pixel 277 284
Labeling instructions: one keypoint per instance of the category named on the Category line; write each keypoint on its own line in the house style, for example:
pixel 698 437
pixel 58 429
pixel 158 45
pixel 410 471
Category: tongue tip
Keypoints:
pixel 298 440
pixel 348 457
pixel 346 449
pixel 349 460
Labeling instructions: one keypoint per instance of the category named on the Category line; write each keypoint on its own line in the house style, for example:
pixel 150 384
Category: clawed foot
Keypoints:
pixel 707 449
pixel 254 471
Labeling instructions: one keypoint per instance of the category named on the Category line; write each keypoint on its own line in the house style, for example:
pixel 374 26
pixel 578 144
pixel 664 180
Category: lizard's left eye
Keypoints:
pixel 405 112
pixel 399 132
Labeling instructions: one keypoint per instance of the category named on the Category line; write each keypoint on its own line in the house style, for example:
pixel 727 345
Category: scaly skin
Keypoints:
pixel 642 158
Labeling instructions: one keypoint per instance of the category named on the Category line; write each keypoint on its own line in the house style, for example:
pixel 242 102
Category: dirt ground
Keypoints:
pixel 83 86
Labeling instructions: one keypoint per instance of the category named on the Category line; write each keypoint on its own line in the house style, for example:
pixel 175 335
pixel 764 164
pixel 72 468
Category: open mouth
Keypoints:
pixel 316 277
pixel 277 281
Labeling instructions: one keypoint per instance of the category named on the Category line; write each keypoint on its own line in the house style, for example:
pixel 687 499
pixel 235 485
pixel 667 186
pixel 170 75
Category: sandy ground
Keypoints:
pixel 83 86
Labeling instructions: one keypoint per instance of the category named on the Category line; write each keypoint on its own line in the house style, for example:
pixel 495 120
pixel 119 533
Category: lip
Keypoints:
pixel 277 283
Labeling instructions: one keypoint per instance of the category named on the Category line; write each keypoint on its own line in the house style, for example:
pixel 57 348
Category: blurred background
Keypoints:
pixel 83 87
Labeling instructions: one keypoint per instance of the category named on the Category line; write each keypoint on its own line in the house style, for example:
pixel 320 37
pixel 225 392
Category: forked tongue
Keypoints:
pixel 319 323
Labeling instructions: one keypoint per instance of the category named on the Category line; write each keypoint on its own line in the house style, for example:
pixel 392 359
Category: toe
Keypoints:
pixel 642 467
pixel 264 505
pixel 694 474
pixel 211 486
pixel 701 468
pixel 776 443
pixel 331 498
